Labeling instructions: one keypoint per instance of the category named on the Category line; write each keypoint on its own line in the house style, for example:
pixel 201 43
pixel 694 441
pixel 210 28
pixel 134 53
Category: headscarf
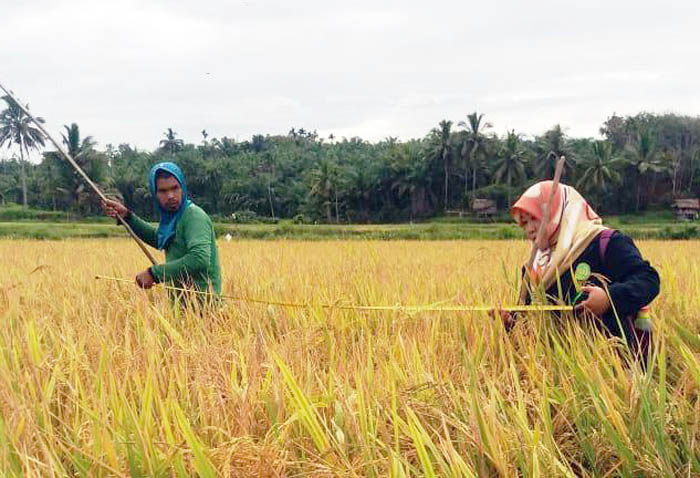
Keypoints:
pixel 168 220
pixel 572 226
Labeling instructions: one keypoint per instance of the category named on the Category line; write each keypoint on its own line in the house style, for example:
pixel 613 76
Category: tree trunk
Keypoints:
pixel 446 184
pixel 466 182
pixel 337 214
pixel 508 205
pixel 329 216
pixel 417 197
pixel 674 178
pixel 269 195
pixel 22 172
pixel 472 159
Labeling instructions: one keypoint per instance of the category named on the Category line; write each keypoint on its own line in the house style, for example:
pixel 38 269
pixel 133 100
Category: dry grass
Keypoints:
pixel 102 379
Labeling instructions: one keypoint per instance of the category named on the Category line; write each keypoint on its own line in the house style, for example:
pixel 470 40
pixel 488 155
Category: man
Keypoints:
pixel 185 233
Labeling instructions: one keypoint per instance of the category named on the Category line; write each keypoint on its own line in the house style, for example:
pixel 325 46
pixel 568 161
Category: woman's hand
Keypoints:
pixel 597 301
pixel 505 316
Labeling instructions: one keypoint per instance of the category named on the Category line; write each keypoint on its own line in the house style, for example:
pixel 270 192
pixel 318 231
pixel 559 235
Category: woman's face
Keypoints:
pixel 530 225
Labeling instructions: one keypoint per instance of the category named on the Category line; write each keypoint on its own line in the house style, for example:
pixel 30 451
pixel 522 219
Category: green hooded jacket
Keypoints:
pixel 191 256
pixel 187 236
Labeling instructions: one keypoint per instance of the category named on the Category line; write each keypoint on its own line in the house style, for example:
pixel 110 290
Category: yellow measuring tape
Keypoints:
pixel 404 308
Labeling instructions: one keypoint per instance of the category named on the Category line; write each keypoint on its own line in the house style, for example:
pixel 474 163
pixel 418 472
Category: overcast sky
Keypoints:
pixel 127 70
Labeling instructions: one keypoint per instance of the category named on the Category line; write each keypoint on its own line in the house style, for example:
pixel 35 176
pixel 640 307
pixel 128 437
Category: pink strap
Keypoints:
pixel 604 240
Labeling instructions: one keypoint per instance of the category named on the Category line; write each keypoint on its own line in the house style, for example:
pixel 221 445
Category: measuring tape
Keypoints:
pixel 404 308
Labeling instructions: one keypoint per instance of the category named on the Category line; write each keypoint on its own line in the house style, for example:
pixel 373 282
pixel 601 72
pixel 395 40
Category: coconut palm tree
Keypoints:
pixel 258 143
pixel 76 148
pixel 442 151
pixel 84 154
pixel 694 165
pixel 16 128
pixel 643 159
pixel 226 146
pixel 599 172
pixel 411 171
pixel 511 163
pixel 171 143
pixel 362 182
pixel 552 145
pixel 473 146
pixel 323 182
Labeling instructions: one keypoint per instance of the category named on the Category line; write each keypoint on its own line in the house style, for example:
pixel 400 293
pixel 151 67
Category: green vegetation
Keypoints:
pixel 14 212
pixel 644 163
pixel 17 129
pixel 655 226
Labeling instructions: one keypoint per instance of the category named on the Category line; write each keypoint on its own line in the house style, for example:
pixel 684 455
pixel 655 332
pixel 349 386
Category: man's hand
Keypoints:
pixel 145 279
pixel 597 302
pixel 114 209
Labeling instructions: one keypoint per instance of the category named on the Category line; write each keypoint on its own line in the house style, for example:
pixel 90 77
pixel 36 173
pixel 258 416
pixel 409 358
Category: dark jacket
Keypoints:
pixel 633 284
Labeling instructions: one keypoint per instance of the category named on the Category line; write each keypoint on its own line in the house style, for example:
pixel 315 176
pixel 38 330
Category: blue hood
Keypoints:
pixel 168 220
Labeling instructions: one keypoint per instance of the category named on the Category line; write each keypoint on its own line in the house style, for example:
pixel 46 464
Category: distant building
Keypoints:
pixel 484 208
pixel 687 209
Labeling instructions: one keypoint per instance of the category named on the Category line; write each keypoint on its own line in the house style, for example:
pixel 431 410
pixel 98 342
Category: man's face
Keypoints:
pixel 169 193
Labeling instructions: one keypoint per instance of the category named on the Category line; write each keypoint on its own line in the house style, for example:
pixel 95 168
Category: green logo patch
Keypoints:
pixel 583 272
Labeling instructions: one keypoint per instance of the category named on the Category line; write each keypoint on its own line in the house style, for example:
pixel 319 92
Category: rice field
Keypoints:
pixel 99 378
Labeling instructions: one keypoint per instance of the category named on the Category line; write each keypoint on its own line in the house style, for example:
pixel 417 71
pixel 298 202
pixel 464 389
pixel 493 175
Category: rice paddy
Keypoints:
pixel 102 379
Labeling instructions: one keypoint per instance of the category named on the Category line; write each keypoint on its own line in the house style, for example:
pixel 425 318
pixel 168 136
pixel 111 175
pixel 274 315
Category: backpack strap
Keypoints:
pixel 603 241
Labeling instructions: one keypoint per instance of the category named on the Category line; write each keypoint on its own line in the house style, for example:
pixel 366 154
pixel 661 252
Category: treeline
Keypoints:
pixel 644 162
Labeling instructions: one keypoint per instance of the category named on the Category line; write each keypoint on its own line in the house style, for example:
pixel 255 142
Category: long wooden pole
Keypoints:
pixel 79 170
pixel 540 239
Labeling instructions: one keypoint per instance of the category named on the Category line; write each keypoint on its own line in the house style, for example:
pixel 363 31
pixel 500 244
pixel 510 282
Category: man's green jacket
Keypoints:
pixel 191 256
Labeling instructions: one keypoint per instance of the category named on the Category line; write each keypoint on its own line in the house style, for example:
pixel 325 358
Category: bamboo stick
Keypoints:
pixel 540 239
pixel 79 170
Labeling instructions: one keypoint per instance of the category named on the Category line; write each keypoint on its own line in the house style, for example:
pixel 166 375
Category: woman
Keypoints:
pixel 585 264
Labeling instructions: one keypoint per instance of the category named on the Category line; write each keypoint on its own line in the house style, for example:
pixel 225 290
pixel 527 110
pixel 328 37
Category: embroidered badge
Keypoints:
pixel 583 272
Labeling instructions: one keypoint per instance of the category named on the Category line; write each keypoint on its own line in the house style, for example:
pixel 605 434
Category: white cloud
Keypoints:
pixel 125 71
